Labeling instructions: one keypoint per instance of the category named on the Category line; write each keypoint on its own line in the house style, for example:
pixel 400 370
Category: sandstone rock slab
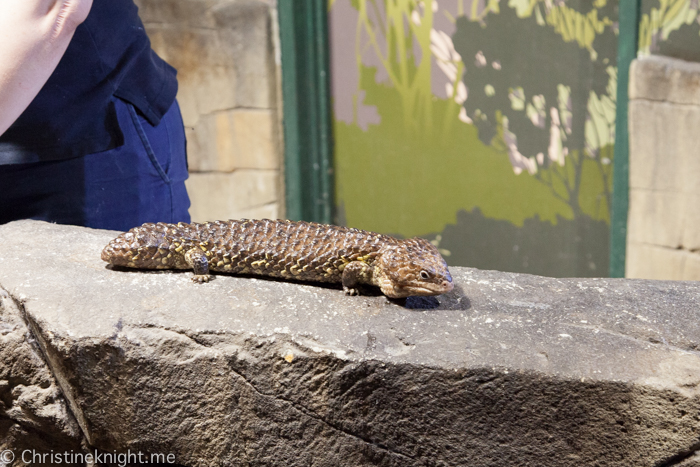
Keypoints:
pixel 664 114
pixel 664 146
pixel 507 369
pixel 233 139
pixel 660 78
pixel 238 194
pixel 33 413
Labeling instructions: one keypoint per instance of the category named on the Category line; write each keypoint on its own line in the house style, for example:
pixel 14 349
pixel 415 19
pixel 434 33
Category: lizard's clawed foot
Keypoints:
pixel 199 278
pixel 351 291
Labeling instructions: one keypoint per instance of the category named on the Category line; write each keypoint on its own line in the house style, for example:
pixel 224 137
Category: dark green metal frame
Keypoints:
pixel 306 98
pixel 627 46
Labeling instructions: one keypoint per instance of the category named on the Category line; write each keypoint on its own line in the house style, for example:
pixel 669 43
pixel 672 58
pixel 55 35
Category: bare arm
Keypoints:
pixel 34 35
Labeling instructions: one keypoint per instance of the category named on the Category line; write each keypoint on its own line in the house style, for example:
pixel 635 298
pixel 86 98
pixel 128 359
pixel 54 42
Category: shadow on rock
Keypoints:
pixel 455 300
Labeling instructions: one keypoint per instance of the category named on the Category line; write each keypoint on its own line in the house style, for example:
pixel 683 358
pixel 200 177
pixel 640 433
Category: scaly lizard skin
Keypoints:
pixel 291 250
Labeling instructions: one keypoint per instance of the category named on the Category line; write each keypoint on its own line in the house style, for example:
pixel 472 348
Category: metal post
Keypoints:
pixel 306 98
pixel 628 40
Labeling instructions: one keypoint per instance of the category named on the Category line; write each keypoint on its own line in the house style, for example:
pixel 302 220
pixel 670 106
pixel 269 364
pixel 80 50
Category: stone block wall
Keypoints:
pixel 663 240
pixel 225 54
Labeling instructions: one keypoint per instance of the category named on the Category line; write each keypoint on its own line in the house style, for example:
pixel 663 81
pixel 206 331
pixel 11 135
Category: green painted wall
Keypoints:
pixel 670 28
pixel 491 130
pixel 485 126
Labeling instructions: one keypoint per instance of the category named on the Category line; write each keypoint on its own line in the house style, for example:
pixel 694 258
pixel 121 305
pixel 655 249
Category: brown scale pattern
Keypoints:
pixel 292 250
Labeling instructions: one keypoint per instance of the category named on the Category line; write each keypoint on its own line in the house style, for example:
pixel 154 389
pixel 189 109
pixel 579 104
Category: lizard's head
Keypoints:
pixel 412 267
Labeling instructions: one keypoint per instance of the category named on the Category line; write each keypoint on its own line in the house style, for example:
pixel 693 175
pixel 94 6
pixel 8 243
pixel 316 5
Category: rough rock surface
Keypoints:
pixel 506 370
pixel 33 413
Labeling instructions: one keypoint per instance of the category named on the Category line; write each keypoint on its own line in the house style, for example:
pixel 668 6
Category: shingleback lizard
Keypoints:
pixel 292 250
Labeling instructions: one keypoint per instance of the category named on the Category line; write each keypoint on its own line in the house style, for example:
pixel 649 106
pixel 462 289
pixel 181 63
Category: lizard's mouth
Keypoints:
pixel 419 289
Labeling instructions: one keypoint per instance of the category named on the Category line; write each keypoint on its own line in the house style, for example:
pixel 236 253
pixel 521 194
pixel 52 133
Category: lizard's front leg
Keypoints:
pixel 355 273
pixel 199 263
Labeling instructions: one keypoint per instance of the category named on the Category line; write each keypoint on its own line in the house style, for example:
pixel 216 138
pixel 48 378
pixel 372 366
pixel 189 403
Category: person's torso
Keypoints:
pixel 73 114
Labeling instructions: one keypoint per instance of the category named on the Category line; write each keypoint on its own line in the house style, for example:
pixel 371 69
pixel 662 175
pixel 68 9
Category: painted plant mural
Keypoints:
pixel 671 28
pixel 486 126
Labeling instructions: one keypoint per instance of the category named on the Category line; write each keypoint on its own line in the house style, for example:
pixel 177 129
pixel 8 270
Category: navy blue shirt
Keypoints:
pixel 73 114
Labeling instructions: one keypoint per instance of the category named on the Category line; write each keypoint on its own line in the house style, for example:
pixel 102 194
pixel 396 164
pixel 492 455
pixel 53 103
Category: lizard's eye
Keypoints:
pixel 424 275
